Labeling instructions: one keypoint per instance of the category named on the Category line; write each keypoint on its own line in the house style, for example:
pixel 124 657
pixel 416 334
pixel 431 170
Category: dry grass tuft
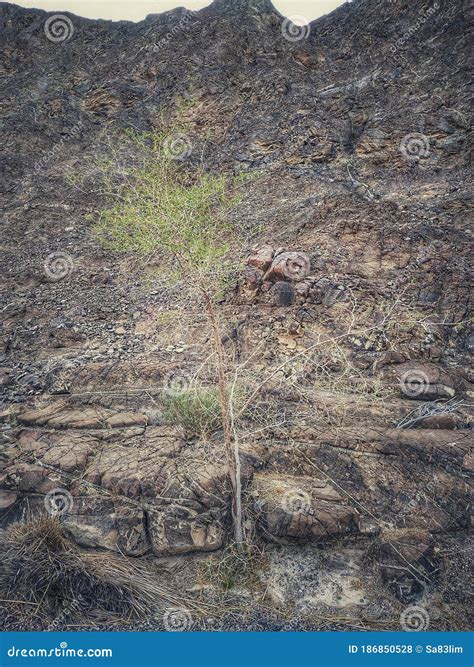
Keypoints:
pixel 44 575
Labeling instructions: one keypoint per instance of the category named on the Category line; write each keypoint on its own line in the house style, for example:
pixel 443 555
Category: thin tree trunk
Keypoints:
pixel 232 448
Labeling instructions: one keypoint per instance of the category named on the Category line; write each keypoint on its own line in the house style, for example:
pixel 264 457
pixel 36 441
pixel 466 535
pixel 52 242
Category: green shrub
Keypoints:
pixel 197 410
pixel 173 216
pixel 159 209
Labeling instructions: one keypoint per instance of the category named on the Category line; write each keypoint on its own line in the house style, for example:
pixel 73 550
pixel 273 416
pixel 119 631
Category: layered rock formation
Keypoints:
pixel 354 291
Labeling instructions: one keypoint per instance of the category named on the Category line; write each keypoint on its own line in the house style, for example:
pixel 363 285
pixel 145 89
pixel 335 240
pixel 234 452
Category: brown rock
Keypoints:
pixel 468 462
pixel 261 257
pixel 181 530
pixel 60 415
pixel 125 420
pixel 123 479
pixel 7 500
pixel 444 421
pixel 300 509
pixel 391 357
pixel 292 266
pixel 91 531
pixel 424 382
pixel 27 477
pixel 406 562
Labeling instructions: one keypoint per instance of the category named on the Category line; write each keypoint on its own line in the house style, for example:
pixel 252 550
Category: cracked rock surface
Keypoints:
pixel 354 276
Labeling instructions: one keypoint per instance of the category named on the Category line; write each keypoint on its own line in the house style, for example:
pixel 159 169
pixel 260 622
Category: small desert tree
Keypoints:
pixel 161 210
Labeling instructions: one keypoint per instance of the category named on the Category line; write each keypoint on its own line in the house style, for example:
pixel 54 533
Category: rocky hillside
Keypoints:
pixel 351 313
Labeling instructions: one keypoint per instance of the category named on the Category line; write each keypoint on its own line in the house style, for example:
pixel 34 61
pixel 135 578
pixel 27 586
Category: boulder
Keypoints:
pixel 423 382
pixel 289 266
pixel 7 500
pixel 300 509
pixel 261 257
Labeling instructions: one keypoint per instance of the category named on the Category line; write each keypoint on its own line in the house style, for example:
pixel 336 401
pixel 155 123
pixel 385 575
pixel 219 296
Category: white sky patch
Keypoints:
pixel 117 10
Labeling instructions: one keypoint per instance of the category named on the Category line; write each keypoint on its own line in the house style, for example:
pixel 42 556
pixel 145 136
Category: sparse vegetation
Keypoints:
pixel 236 566
pixel 162 212
pixel 198 411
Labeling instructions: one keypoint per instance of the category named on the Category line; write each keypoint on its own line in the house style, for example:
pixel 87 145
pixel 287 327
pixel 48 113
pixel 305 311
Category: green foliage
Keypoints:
pixel 160 208
pixel 197 410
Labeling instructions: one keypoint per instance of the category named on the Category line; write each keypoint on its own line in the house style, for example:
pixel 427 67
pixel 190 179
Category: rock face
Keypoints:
pixel 301 509
pixel 351 310
pixel 130 488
